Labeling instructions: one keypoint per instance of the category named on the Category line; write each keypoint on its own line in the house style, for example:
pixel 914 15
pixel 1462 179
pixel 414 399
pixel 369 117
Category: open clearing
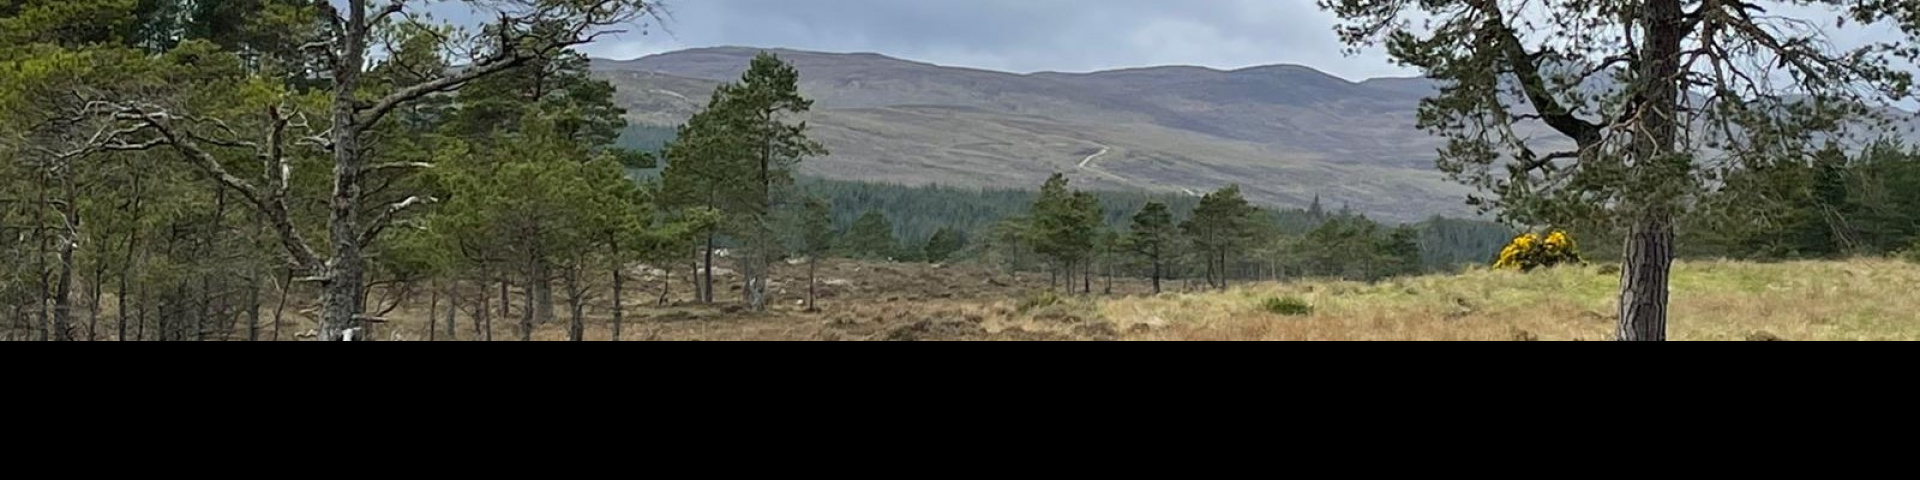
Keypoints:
pixel 1853 300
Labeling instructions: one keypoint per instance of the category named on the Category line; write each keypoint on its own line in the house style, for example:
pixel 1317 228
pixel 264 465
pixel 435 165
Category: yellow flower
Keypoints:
pixel 1531 250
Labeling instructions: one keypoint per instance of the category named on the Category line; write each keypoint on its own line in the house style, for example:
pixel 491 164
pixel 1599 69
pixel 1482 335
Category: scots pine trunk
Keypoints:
pixel 97 284
pixel 544 301
pixel 453 309
pixel 576 306
pixel 483 326
pixel 1158 271
pixel 1224 272
pixel 619 305
pixel 1649 245
pixel 63 294
pixel 540 287
pixel 748 278
pixel 1109 287
pixel 209 293
pixel 345 272
pixel 526 317
pixel 280 306
pixel 253 308
pixel 706 284
pixel 120 296
pixel 433 313
pixel 46 323
pixel 813 283
pixel 666 284
pixel 1210 273
pixel 63 289
pixel 1086 277
pixel 140 321
pixel 126 267
pixel 1644 280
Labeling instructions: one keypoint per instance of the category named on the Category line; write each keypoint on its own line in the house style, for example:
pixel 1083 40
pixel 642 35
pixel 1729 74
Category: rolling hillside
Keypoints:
pixel 1285 133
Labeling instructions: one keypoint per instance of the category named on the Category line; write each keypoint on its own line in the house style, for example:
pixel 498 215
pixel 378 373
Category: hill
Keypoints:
pixel 1285 133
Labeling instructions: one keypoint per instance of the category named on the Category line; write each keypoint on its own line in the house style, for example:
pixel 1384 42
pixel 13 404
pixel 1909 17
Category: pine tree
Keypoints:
pixel 737 158
pixel 1401 251
pixel 1061 227
pixel 704 162
pixel 816 239
pixel 871 237
pixel 1678 86
pixel 1222 224
pixel 767 99
pixel 944 243
pixel 1153 238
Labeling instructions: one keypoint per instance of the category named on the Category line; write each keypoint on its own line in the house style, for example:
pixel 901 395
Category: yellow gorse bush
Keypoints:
pixel 1531 251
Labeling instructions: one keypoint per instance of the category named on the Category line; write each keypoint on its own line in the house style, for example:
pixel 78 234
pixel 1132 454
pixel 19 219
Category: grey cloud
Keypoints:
pixel 1019 35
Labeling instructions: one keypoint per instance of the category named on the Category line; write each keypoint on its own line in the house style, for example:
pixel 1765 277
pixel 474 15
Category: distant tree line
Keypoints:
pixel 917 213
pixel 1827 205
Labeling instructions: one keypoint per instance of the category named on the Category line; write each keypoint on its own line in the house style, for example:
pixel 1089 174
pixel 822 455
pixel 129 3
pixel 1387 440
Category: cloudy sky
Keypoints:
pixel 1019 35
pixel 1040 35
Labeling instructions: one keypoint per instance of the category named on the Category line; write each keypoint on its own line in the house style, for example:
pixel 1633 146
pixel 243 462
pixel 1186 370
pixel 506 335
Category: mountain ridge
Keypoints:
pixel 747 50
pixel 1286 133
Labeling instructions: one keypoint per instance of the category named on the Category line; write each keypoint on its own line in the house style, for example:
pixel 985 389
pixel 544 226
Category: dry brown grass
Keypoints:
pixel 1854 300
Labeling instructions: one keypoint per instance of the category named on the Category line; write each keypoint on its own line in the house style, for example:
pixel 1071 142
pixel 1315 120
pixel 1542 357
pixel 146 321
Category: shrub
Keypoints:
pixel 1287 307
pixel 1912 254
pixel 1039 300
pixel 1531 251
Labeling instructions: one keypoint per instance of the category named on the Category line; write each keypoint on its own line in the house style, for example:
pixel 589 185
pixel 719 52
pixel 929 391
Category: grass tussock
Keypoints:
pixel 1853 300
pixel 1287 306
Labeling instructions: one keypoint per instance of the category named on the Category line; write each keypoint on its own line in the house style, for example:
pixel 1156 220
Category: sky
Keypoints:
pixel 1026 36
pixel 1020 36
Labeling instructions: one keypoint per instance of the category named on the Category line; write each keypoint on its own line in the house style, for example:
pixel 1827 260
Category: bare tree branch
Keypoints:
pixel 398 166
pixel 273 207
pixel 380 223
